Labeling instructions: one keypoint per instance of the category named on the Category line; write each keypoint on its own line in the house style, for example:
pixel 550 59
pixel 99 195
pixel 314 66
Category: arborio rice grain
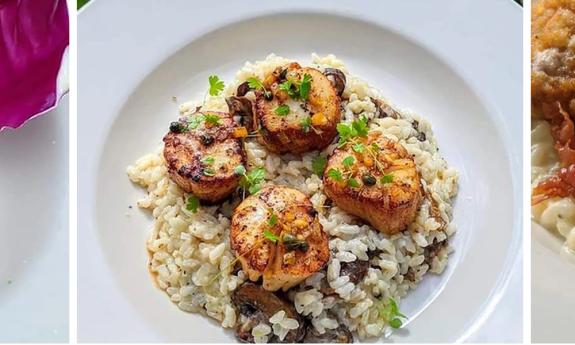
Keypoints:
pixel 190 254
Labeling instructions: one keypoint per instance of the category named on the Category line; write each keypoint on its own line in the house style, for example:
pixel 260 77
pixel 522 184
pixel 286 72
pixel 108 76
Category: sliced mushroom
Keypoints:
pixel 243 89
pixel 242 107
pixel 356 270
pixel 339 335
pixel 256 305
pixel 337 78
pixel 383 109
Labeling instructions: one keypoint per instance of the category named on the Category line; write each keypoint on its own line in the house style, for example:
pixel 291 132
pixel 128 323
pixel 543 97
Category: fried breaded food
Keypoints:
pixel 201 151
pixel 552 52
pixel 380 185
pixel 276 235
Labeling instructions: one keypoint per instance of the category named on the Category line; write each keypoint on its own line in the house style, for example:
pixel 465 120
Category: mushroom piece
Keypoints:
pixel 383 109
pixel 339 335
pixel 256 305
pixel 243 89
pixel 337 78
pixel 242 107
pixel 356 270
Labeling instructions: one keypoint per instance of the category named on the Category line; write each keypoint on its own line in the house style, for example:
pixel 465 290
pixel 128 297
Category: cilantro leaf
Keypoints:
pixel 390 313
pixel 282 110
pixel 273 219
pixel 305 124
pixel 360 126
pixel 305 87
pixel 255 83
pixel 252 180
pixel 212 119
pixel 318 165
pixel 353 182
pixel 359 147
pixel 387 178
pixel 348 161
pixel 335 175
pixel 192 204
pixel 195 121
pixel 216 85
pixel 240 170
pixel 209 172
pixel 270 236
pixel 208 160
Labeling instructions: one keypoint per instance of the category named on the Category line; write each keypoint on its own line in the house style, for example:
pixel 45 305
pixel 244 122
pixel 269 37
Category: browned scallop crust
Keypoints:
pixel 260 257
pixel 186 152
pixel 283 134
pixel 389 206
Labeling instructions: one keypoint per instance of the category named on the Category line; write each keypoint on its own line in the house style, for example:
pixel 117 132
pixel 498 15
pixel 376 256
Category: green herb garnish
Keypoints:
pixel 353 182
pixel 252 180
pixel 305 124
pixel 282 110
pixel 305 86
pixel 195 121
pixel 216 85
pixel 358 147
pixel 358 128
pixel 389 312
pixel 273 219
pixel 335 175
pixel 192 204
pixel 208 160
pixel 209 172
pixel 212 119
pixel 270 236
pixel 255 84
pixel 387 178
pixel 348 161
pixel 318 165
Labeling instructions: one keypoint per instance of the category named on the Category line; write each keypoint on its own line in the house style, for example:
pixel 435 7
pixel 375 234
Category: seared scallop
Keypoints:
pixel 379 184
pixel 201 151
pixel 276 235
pixel 298 109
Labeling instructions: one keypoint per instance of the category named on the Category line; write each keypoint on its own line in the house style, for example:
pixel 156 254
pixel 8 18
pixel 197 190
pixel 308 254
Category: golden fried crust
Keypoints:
pixel 202 160
pixel 552 52
pixel 390 204
pixel 283 134
pixel 260 257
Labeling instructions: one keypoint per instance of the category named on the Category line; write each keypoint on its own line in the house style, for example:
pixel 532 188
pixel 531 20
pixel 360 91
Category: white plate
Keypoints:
pixel 34 229
pixel 553 279
pixel 439 59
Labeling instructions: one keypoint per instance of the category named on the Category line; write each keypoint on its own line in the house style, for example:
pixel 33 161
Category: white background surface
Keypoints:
pixel 34 229
pixel 121 44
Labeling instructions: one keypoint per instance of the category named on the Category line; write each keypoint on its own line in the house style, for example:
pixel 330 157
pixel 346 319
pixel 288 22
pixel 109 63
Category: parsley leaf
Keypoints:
pixel 208 160
pixel 273 219
pixel 305 86
pixel 282 110
pixel 360 126
pixel 209 172
pixel 287 87
pixel 240 170
pixel 335 174
pixel 375 147
pixel 305 124
pixel 389 312
pixel 216 85
pixel 359 147
pixel 252 180
pixel 318 165
pixel 212 119
pixel 387 178
pixel 255 83
pixel 353 182
pixel 348 161
pixel 194 121
pixel 270 236
pixel 192 204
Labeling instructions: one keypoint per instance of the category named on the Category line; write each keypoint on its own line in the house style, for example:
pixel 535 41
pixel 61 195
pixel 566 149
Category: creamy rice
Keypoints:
pixel 188 250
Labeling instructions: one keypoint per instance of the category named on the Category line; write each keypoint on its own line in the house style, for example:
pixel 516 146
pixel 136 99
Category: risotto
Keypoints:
pixel 190 254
